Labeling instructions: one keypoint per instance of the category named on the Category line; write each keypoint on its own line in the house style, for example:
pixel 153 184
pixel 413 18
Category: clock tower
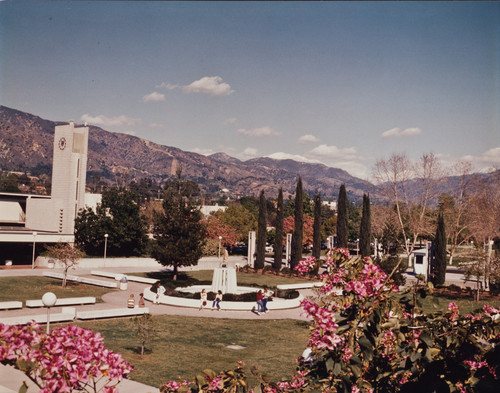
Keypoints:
pixel 69 171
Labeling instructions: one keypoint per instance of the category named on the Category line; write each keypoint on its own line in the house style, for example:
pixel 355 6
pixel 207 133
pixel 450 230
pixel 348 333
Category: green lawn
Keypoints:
pixel 27 288
pixel 183 346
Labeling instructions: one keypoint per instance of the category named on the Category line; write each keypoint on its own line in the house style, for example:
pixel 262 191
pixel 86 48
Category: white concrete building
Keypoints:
pixel 27 219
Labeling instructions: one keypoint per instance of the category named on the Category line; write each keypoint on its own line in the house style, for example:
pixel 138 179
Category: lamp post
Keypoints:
pixel 105 244
pixel 220 240
pixel 48 300
pixel 33 257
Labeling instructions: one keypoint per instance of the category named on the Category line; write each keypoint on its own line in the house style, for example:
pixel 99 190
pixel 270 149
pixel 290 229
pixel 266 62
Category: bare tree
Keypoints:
pixel 410 187
pixel 455 211
pixel 67 255
pixel 483 216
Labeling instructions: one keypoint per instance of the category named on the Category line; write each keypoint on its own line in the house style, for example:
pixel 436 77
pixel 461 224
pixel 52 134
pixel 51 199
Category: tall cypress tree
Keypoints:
pixel 261 232
pixel 342 218
pixel 439 251
pixel 316 251
pixel 299 226
pixel 278 240
pixel 365 228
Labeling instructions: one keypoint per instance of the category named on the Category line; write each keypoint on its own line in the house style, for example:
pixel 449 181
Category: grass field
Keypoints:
pixel 27 288
pixel 183 346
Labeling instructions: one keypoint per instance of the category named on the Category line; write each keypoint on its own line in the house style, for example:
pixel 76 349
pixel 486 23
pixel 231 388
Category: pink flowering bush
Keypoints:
pixel 366 338
pixel 69 359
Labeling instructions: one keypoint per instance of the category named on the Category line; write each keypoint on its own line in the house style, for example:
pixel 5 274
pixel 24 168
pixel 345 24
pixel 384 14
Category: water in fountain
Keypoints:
pixel 224 279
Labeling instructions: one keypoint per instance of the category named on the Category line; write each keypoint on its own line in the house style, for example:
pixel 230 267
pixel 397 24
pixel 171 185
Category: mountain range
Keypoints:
pixel 26 144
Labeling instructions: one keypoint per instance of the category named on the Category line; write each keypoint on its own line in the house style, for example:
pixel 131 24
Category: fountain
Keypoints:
pixel 224 279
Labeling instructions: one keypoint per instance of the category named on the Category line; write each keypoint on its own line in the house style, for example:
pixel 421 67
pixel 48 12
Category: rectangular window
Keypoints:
pixel 419 259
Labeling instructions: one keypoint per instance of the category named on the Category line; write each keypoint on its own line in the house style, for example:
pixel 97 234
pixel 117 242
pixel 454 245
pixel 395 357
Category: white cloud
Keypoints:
pixel 167 86
pixel 486 162
pixel 212 85
pixel 102 120
pixel 154 96
pixel 231 121
pixel 259 132
pixel 333 152
pixel 308 138
pixel 296 157
pixel 157 125
pixel 398 132
pixel 248 153
pixel 204 152
pixel 347 159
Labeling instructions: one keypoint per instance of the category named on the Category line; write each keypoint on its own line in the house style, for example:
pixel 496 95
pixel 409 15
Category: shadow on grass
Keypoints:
pixel 137 350
pixel 183 279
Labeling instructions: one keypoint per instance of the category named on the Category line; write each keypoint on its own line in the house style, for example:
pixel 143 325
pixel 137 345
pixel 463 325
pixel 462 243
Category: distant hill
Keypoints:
pixel 26 143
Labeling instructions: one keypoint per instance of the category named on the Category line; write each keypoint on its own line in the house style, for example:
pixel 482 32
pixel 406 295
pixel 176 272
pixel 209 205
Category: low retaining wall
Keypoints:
pixel 90 263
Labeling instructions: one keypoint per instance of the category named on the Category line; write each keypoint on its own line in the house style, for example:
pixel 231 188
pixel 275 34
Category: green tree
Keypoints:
pixel 365 228
pixel 342 218
pixel 439 248
pixel 278 240
pixel 179 234
pixel 299 224
pixel 120 217
pixel 316 250
pixel 239 218
pixel 261 232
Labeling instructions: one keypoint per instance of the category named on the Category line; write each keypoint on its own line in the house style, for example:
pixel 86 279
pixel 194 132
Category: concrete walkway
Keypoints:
pixel 12 379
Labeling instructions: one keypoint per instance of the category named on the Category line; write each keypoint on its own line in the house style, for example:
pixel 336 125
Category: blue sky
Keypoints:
pixel 342 83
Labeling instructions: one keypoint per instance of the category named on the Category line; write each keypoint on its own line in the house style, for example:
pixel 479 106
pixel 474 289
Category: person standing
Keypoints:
pixel 217 300
pixel 203 299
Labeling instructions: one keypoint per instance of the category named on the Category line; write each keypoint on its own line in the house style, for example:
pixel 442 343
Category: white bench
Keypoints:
pixel 112 313
pixel 118 276
pixel 67 315
pixel 68 301
pixel 83 280
pixel 10 305
pixel 306 285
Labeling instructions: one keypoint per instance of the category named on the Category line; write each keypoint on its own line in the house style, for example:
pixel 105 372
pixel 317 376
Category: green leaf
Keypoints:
pixel 365 343
pixel 426 339
pixel 23 388
pixel 329 364
pixel 337 369
pixel 209 373
pixel 356 370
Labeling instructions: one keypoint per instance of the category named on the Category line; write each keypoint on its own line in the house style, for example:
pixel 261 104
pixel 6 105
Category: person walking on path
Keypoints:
pixel 260 302
pixel 203 299
pixel 267 295
pixel 160 291
pixel 217 300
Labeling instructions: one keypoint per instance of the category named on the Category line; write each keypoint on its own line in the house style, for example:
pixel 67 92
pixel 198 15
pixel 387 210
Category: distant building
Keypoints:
pixel 206 210
pixel 331 205
pixel 26 219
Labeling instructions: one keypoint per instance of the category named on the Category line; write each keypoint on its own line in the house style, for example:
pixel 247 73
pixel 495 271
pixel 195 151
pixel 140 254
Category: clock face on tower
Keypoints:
pixel 62 143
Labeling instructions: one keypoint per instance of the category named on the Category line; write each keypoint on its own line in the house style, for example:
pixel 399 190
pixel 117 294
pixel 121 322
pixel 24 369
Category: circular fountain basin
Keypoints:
pixel 208 288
